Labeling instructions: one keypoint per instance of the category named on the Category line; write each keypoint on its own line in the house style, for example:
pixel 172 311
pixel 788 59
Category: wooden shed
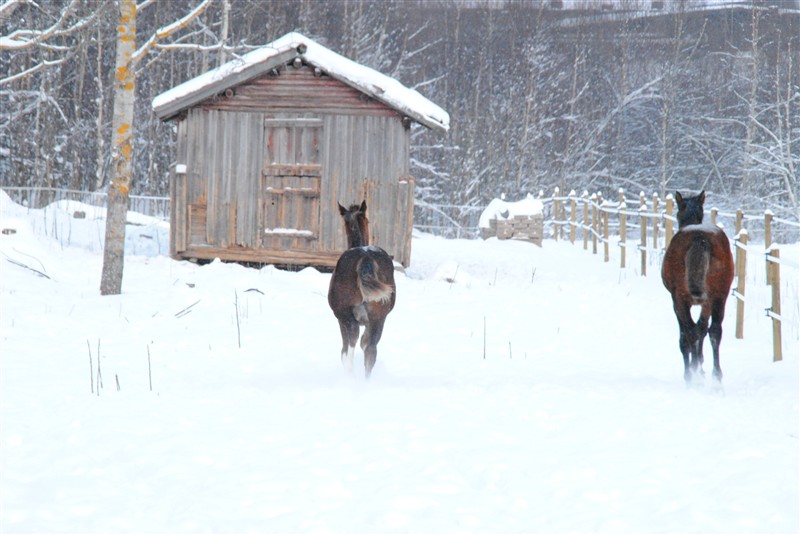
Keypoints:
pixel 269 143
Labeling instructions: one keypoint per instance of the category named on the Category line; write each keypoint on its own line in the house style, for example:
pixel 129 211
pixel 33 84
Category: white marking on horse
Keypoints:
pixel 347 358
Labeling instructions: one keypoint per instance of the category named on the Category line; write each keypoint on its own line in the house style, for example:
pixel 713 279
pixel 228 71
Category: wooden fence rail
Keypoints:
pixel 651 220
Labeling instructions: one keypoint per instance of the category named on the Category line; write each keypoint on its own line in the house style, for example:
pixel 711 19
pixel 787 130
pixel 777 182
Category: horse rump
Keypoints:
pixel 369 283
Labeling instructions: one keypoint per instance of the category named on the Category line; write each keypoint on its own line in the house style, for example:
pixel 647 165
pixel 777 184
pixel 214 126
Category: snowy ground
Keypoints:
pixel 575 417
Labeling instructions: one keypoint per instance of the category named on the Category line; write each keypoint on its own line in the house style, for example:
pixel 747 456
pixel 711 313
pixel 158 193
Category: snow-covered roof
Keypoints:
pixel 500 209
pixel 281 51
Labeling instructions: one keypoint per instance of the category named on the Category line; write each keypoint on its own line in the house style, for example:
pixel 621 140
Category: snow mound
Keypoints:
pixel 18 245
pixel 74 223
pixel 501 209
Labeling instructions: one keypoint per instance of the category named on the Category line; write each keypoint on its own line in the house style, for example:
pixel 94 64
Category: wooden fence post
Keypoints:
pixel 775 311
pixel 600 203
pixel 556 214
pixel 714 213
pixel 768 238
pixel 585 220
pixel 605 207
pixel 668 220
pixel 643 229
pixel 739 218
pixel 655 221
pixel 740 244
pixel 738 226
pixel 572 206
pixel 594 223
pixel 623 228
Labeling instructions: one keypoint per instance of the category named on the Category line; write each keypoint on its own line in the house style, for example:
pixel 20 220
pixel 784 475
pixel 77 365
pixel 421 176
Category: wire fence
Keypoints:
pixel 461 221
pixel 37 197
pixel 639 226
pixel 447 220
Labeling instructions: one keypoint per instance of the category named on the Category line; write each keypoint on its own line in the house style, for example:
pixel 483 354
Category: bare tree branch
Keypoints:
pixel 36 68
pixel 20 39
pixel 144 4
pixel 166 31
pixel 25 38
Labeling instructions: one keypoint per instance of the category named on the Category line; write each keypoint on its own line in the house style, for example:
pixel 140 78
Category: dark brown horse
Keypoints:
pixel 362 290
pixel 698 270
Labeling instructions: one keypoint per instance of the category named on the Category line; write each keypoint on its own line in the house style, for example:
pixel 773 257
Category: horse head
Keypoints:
pixel 690 209
pixel 356 224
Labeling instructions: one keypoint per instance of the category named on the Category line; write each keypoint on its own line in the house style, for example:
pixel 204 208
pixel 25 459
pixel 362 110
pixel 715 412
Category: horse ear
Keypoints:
pixel 342 209
pixel 363 208
pixel 678 198
pixel 702 196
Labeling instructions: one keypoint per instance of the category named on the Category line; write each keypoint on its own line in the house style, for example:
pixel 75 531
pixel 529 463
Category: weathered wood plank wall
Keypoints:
pixel 180 208
pixel 364 158
pixel 298 90
pixel 279 153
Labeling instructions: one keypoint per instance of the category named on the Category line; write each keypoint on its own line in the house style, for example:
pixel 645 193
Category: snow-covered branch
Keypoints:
pixel 140 7
pixel 20 39
pixel 169 29
pixel 8 7
pixel 50 39
pixel 27 72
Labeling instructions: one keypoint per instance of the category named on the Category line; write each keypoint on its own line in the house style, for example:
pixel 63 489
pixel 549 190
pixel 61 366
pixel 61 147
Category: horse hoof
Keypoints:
pixel 347 364
pixel 694 380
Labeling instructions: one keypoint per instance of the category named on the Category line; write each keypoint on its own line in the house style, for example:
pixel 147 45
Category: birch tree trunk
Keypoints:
pixel 122 151
pixel 749 150
pixel 226 19
pixel 100 149
pixel 128 56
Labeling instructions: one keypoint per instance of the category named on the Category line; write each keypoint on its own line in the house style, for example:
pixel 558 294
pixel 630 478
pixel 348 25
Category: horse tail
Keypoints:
pixel 698 258
pixel 372 288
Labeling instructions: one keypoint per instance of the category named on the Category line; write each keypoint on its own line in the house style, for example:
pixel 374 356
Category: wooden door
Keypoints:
pixel 291 183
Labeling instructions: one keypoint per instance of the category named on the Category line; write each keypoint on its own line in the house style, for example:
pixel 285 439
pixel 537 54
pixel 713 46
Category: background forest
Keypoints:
pixel 644 95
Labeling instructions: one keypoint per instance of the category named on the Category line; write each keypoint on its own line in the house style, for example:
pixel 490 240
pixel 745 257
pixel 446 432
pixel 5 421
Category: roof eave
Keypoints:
pixel 422 119
pixel 173 107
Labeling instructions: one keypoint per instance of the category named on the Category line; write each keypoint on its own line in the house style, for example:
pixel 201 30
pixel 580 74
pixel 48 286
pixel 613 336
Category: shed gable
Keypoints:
pixel 293 89
pixel 295 48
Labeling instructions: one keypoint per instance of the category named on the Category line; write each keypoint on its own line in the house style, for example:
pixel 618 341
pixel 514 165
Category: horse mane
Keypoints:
pixel 356 224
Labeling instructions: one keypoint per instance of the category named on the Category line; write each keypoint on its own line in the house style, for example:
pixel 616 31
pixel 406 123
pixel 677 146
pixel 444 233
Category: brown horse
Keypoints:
pixel 698 270
pixel 362 290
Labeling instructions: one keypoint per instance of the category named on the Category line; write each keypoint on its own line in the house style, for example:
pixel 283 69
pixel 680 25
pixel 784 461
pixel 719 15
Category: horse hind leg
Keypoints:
pixel 687 340
pixel 349 328
pixel 700 337
pixel 715 334
pixel 369 342
pixel 686 344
